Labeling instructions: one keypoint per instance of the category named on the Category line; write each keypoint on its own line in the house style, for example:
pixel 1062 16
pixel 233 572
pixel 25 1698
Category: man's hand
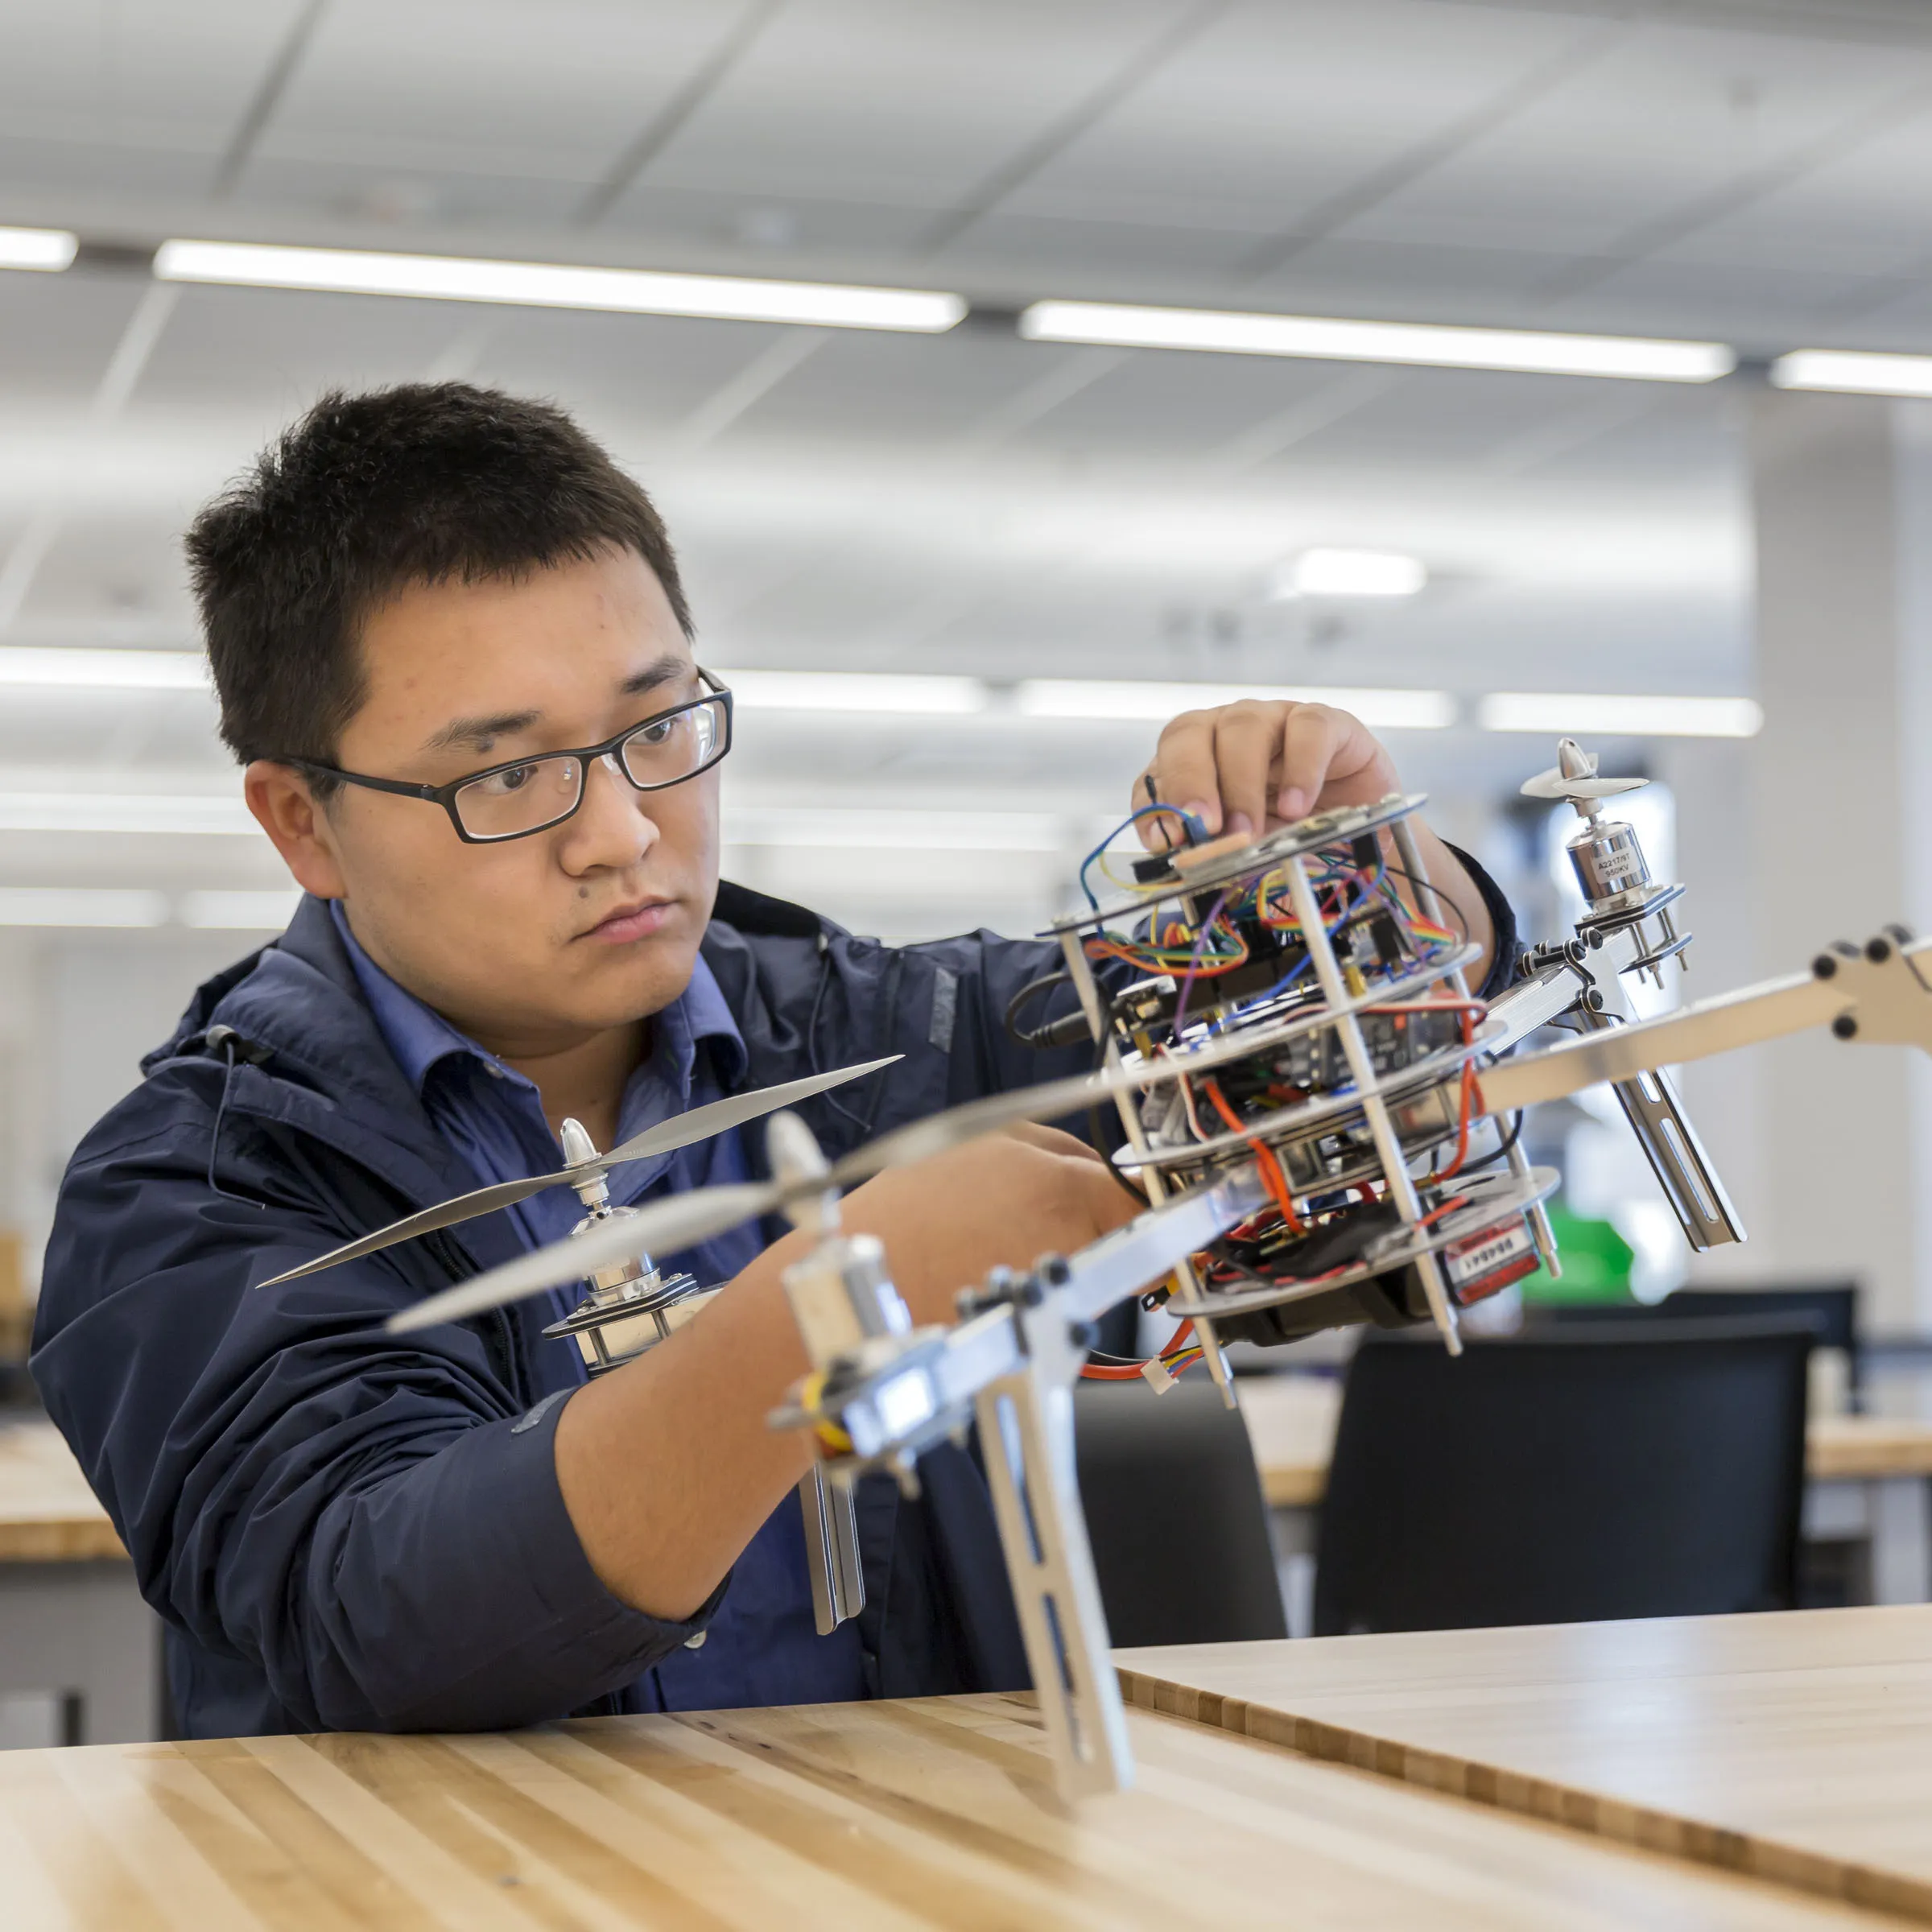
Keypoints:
pixel 1003 1200
pixel 1248 767
pixel 668 1466
pixel 1263 762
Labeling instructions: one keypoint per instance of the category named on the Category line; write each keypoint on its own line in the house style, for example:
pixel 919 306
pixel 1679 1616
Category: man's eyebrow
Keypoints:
pixel 662 671
pixel 479 732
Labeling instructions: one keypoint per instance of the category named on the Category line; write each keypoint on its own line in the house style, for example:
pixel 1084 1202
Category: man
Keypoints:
pixel 453 653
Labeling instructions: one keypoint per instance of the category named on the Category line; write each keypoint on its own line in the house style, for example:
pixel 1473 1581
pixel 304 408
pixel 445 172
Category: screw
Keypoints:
pixel 1054 1270
pixel 1083 1335
pixel 1878 950
pixel 1824 966
pixel 1845 1027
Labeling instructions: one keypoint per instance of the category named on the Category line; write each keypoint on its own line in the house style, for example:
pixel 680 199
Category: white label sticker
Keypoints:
pixel 1481 1254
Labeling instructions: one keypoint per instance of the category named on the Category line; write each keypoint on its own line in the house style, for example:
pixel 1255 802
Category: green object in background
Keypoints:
pixel 1596 1262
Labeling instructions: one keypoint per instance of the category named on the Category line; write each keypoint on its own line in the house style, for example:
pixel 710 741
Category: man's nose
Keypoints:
pixel 611 826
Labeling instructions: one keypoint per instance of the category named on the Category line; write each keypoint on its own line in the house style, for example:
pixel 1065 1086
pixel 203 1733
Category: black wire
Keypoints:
pixel 1017 1033
pixel 1460 917
pixel 1502 1152
pixel 232 1045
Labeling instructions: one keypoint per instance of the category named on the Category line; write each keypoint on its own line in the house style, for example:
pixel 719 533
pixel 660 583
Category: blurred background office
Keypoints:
pixel 960 556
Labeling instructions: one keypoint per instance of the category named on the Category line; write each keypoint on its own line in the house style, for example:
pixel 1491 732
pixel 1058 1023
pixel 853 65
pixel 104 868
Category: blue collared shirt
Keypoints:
pixel 761 1647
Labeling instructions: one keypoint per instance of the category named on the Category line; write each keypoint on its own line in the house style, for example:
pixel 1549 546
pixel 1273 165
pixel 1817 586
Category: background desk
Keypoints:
pixel 71 1622
pixel 1796 1746
pixel 1868 1479
pixel 933 1813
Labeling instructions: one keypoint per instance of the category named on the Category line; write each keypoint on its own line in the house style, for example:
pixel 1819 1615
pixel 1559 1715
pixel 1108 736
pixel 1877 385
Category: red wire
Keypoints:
pixel 1263 1157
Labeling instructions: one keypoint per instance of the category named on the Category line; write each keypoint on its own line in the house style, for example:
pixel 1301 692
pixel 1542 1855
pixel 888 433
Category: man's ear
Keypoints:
pixel 287 810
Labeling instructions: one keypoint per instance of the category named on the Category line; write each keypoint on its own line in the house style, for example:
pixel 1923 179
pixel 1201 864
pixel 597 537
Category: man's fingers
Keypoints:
pixel 1313 737
pixel 1247 742
pixel 1184 771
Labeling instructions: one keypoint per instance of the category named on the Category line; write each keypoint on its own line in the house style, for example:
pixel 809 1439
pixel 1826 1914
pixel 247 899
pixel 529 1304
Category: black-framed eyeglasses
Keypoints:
pixel 525 795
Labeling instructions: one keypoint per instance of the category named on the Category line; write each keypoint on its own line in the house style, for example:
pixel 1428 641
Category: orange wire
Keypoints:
pixel 1263 1157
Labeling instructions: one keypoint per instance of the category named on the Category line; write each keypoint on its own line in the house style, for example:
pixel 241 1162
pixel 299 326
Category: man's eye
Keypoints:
pixel 657 733
pixel 504 783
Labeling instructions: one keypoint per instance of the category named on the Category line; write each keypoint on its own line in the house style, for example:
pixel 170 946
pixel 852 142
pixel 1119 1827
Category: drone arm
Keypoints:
pixel 1877 996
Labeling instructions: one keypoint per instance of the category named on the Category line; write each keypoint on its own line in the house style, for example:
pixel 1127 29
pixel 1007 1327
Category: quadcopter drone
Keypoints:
pixel 1324 1120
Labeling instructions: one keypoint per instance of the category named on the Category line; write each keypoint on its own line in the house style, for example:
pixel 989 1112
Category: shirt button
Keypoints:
pixel 697 1642
pixel 496 1072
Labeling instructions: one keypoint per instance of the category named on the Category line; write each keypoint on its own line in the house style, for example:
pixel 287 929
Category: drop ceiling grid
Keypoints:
pixel 1277 110
pixel 1669 118
pixel 872 100
pixel 496 89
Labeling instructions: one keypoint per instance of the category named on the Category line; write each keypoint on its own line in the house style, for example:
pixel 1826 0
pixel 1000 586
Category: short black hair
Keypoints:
pixel 424 483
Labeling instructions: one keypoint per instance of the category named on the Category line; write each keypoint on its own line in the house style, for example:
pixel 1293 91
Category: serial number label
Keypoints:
pixel 1480 1254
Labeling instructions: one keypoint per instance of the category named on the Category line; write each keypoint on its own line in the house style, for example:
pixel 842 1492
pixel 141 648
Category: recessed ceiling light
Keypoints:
pixel 931 695
pixel 82 668
pixel 1348 573
pixel 1120 325
pixel 554 285
pixel 1855 372
pixel 49 249
pixel 176 812
pixel 1556 714
pixel 1152 702
pixel 79 906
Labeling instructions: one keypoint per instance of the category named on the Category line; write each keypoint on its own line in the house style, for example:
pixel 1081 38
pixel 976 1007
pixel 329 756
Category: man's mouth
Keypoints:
pixel 638 920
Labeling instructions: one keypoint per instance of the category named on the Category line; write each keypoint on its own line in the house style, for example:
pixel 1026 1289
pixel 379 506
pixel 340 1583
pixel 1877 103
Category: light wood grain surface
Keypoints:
pixel 935 1813
pixel 47 1514
pixel 1796 1746
pixel 1291 1421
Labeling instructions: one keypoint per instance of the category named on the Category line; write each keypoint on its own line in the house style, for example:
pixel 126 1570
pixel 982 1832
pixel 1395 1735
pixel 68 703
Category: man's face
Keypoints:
pixel 532 943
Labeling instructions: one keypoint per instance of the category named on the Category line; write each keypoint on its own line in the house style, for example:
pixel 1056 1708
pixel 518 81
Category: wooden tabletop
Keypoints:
pixel 1291 1422
pixel 47 1514
pixel 935 1813
pixel 1796 1746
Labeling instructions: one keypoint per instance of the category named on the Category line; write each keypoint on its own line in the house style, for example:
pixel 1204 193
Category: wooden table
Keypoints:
pixel 1796 1746
pixel 1868 1476
pixel 71 1622
pixel 931 1814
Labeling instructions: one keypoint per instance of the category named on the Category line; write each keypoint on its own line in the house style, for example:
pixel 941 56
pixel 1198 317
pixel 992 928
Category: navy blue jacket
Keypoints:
pixel 345 1529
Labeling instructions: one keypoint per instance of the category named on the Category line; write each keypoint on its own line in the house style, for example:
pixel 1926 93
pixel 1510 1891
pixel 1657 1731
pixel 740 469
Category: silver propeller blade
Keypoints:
pixel 664 1228
pixel 701 1123
pixel 682 1130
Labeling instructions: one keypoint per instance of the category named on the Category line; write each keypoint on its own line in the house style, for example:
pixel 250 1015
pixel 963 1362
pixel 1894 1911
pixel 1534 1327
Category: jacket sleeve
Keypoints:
pixel 372 1521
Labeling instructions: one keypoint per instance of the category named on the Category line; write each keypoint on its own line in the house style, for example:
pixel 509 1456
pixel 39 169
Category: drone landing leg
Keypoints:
pixel 831 1552
pixel 1026 1435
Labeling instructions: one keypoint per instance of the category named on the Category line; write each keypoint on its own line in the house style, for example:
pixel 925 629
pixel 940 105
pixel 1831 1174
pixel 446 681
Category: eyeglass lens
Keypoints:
pixel 526 798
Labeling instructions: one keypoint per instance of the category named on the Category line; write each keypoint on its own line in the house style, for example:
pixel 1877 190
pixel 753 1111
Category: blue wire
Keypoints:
pixel 1127 824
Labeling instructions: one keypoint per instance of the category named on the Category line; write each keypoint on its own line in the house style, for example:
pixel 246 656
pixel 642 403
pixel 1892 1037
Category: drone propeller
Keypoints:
pixel 1573 777
pixel 700 1124
pixel 687 1218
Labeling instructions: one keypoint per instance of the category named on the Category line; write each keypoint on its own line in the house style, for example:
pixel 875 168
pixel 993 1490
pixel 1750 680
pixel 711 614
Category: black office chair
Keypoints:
pixel 1832 1307
pixel 1593 1472
pixel 1175 1514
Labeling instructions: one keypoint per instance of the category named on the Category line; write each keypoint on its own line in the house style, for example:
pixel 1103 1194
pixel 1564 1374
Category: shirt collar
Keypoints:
pixel 421 1038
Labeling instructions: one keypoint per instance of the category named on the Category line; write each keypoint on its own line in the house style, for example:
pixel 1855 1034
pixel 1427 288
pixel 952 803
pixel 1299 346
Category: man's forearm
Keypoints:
pixel 666 1465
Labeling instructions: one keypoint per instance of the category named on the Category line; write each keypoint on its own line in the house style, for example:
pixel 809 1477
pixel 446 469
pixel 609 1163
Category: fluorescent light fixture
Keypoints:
pixel 553 285
pixel 79 906
pixel 893 827
pixel 1857 372
pixel 124 811
pixel 104 669
pixel 1348 573
pixel 240 911
pixel 1119 325
pixel 855 691
pixel 50 250
pixel 1556 714
pixel 1094 698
